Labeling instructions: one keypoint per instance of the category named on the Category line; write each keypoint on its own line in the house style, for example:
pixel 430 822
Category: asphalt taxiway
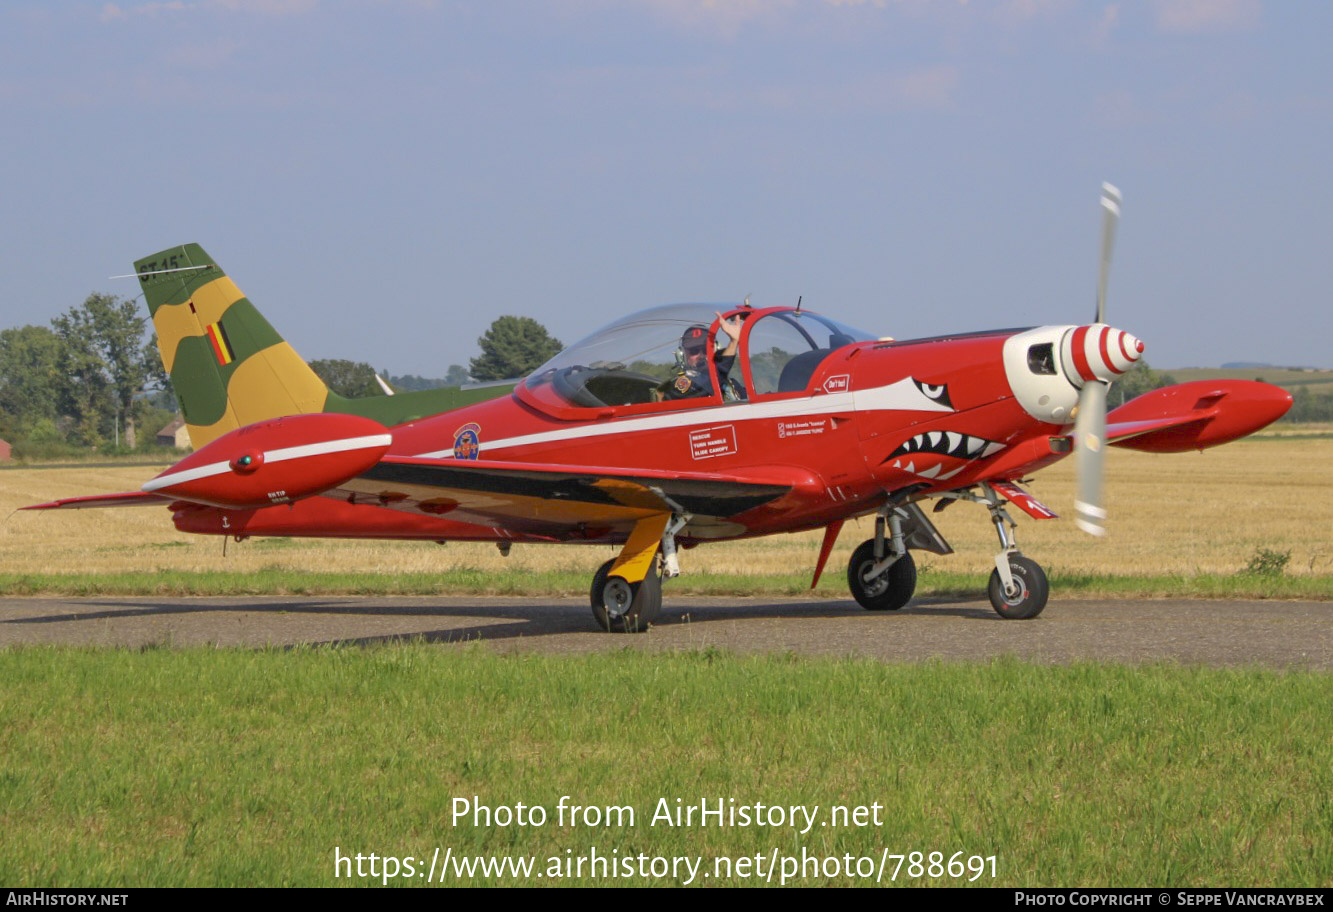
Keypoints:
pixel 1205 632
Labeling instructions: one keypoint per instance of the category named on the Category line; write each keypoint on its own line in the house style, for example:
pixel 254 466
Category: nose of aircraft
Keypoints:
pixel 1099 352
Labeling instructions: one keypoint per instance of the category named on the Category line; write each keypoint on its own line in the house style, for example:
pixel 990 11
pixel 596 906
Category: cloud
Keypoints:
pixel 203 56
pixel 930 87
pixel 112 11
pixel 726 16
pixel 1118 110
pixel 268 7
pixel 1023 10
pixel 1106 25
pixel 927 88
pixel 1192 16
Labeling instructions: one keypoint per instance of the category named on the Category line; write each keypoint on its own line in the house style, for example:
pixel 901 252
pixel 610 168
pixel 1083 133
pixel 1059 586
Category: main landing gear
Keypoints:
pixel 624 607
pixel 882 573
pixel 626 592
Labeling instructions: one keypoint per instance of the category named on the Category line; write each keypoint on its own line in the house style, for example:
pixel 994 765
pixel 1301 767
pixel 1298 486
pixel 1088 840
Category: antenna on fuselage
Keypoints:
pixel 798 303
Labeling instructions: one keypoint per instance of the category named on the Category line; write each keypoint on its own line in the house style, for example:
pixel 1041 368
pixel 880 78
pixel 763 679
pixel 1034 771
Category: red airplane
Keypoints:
pixel 669 428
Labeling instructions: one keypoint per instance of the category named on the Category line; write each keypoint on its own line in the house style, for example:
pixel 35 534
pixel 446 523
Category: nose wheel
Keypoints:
pixel 1025 595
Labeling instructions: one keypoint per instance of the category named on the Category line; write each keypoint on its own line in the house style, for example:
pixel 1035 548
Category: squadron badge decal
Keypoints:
pixel 467 441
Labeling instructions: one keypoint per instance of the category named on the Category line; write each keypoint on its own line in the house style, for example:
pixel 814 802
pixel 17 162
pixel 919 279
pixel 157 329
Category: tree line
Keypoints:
pixel 90 379
pixel 93 378
pixel 512 347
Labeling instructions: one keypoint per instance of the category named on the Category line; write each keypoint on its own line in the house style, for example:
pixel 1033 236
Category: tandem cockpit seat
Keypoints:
pixel 797 372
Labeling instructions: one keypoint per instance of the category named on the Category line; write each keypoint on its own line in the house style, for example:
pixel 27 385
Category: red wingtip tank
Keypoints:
pixel 275 461
pixel 1221 411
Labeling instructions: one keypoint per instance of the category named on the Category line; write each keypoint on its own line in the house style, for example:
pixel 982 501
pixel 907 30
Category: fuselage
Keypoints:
pixel 847 422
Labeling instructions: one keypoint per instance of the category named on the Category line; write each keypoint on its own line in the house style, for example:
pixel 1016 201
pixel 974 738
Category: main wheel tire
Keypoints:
pixel 621 606
pixel 1030 590
pixel 889 591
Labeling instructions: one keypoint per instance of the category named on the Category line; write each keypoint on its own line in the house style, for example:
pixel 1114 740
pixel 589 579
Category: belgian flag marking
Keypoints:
pixel 217 337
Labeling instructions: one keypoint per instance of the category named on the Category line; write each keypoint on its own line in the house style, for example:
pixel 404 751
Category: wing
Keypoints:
pixel 125 499
pixel 547 499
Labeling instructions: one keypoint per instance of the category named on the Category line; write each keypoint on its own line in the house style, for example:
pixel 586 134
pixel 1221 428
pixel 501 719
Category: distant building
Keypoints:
pixel 5 453
pixel 175 434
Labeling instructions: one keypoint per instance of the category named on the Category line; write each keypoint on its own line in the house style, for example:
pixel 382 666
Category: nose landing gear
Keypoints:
pixel 1025 595
pixel 1018 589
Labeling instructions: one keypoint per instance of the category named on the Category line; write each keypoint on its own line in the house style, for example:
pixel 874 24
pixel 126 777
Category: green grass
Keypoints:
pixel 485 581
pixel 234 767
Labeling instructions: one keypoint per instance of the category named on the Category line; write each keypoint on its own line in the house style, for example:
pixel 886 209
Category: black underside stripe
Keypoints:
pixel 708 498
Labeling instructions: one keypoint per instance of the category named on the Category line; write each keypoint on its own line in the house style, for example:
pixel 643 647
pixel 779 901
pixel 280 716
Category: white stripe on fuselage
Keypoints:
pixel 280 455
pixel 900 396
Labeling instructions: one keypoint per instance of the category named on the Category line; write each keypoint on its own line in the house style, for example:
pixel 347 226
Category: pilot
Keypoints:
pixel 692 378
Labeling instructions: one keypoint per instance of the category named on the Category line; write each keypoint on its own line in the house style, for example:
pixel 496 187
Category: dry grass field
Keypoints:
pixel 1181 514
pixel 1318 381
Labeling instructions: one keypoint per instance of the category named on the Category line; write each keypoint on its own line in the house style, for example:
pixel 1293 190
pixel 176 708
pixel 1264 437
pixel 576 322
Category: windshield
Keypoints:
pixel 628 362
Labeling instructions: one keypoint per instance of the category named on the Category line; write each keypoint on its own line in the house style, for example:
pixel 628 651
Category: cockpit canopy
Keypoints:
pixel 646 358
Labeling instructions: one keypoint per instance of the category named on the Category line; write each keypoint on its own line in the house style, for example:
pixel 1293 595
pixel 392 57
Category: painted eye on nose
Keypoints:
pixel 938 393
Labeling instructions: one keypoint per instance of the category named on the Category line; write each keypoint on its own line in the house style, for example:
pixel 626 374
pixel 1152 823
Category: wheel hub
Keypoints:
pixel 617 596
pixel 1015 594
pixel 874 585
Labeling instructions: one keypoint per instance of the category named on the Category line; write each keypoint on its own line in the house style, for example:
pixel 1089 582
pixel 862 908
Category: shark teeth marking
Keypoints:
pixel 949 443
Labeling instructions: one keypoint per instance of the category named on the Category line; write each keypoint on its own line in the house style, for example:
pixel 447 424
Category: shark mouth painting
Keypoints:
pixel 941 454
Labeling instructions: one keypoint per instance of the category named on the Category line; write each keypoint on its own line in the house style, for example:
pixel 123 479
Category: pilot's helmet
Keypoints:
pixel 694 341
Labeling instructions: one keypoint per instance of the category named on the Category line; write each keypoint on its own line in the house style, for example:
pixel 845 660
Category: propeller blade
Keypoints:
pixel 1110 216
pixel 1090 456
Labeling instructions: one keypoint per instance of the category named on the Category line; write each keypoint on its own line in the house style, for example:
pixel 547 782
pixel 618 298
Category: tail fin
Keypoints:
pixel 229 367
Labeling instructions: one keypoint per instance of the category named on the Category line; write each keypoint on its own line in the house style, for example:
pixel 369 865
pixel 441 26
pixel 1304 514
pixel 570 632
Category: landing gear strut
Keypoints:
pixel 1018 589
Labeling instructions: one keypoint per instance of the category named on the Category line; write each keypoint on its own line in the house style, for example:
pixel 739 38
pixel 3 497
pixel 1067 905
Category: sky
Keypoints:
pixel 383 178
